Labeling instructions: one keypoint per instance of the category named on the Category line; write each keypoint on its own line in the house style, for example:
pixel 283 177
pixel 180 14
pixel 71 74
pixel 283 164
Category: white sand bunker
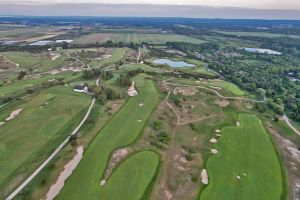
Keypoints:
pixel 116 158
pixel 238 123
pixel 218 135
pixel 2 123
pixel 141 104
pixel 214 151
pixel 213 140
pixel 69 168
pixel 204 177
pixel 13 114
pixel 218 131
pixel 132 91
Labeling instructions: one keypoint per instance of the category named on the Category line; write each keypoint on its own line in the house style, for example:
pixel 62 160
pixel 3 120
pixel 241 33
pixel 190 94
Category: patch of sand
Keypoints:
pixel 238 123
pixel 69 168
pixel 214 151
pixel 141 104
pixel 218 131
pixel 213 140
pixel 14 114
pixel 222 103
pixel 204 177
pixel 132 91
pixel 1 123
pixel 185 91
pixel 217 88
pixel 168 195
pixel 116 158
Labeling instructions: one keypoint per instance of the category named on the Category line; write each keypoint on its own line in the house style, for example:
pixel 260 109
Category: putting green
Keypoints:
pixel 247 152
pixel 122 130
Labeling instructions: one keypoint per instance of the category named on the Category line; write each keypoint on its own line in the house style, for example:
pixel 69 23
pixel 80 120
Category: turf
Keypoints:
pixel 117 55
pixel 137 172
pixel 135 38
pixel 37 130
pixel 245 149
pixel 122 130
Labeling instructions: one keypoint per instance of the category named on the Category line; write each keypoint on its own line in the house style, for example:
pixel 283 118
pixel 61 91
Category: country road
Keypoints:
pixel 57 150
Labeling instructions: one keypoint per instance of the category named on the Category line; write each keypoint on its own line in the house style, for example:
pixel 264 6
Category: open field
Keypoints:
pixel 40 62
pixel 259 34
pixel 117 55
pixel 144 67
pixel 122 130
pixel 135 38
pixel 52 115
pixel 138 171
pixel 246 152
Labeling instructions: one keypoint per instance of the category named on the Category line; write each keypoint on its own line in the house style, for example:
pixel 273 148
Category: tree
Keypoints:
pixel 261 93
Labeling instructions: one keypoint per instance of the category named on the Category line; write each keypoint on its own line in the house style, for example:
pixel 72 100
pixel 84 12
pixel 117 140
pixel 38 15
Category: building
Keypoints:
pixel 80 88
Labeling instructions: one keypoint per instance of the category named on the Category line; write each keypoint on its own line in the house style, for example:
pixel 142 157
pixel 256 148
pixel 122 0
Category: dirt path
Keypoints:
pixel 287 121
pixel 138 56
pixel 57 150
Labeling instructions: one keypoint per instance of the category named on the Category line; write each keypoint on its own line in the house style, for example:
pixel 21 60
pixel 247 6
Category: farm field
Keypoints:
pixel 135 38
pixel 39 62
pixel 122 130
pixel 52 115
pixel 241 170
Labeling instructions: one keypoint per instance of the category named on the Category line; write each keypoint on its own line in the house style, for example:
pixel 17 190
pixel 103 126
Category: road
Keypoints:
pixel 287 121
pixel 57 150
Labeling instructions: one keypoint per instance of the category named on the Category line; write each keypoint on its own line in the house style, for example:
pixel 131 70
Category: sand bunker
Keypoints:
pixel 238 123
pixel 132 91
pixel 14 114
pixel 213 140
pixel 141 104
pixel 168 195
pixel 1 123
pixel 117 157
pixel 204 177
pixel 69 168
pixel 214 151
pixel 218 131
pixel 222 103
pixel 185 91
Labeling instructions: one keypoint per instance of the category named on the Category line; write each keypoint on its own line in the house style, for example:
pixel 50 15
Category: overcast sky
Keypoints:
pixel 261 4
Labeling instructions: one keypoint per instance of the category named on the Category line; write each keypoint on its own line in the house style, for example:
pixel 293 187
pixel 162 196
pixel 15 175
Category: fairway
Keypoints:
pixel 45 121
pixel 122 130
pixel 137 172
pixel 135 38
pixel 248 152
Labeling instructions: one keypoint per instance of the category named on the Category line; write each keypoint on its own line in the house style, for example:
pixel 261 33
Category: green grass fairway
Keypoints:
pixel 26 140
pixel 42 62
pixel 234 89
pixel 122 130
pixel 137 172
pixel 135 38
pixel 245 149
pixel 144 67
pixel 117 55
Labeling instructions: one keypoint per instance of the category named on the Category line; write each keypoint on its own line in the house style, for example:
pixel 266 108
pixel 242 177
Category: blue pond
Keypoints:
pixel 171 63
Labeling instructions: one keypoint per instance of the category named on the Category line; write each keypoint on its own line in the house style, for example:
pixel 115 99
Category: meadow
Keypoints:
pixel 122 130
pixel 246 152
pixel 259 34
pixel 135 38
pixel 45 121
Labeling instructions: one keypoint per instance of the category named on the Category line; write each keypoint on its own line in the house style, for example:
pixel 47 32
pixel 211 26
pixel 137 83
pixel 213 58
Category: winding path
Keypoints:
pixel 57 150
pixel 287 121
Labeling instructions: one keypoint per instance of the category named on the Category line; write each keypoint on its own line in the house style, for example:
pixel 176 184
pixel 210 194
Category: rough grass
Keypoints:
pixel 131 179
pixel 245 149
pixel 37 130
pixel 135 38
pixel 122 130
pixel 27 83
pixel 40 61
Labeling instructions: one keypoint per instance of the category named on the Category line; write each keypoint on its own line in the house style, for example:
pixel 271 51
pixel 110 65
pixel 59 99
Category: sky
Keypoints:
pixel 234 9
pixel 259 4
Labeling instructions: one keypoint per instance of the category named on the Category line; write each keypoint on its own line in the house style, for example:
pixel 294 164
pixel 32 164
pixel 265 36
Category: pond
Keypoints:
pixel 174 64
